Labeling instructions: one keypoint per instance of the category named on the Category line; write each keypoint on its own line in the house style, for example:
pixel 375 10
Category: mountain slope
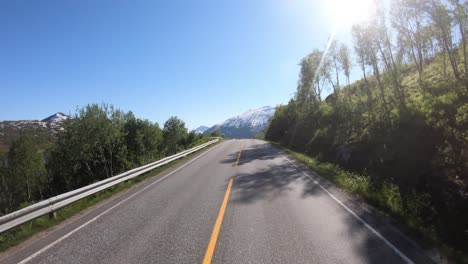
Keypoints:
pixel 201 129
pixel 44 131
pixel 56 118
pixel 247 125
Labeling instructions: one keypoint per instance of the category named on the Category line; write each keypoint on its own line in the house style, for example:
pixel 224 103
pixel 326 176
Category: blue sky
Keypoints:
pixel 203 61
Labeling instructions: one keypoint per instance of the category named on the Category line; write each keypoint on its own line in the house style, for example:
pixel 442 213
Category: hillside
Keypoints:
pixel 201 129
pixel 405 135
pixel 246 125
pixel 398 137
pixel 44 131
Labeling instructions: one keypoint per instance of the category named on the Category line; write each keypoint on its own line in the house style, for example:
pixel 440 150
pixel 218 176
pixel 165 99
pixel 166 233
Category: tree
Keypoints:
pixel 442 22
pixel 173 132
pixel 92 148
pixel 409 21
pixel 311 77
pixel 344 59
pixel 215 133
pixel 151 138
pixel 143 139
pixel 460 16
pixel 332 60
pixel 360 48
pixel 392 60
pixel 361 51
pixel 5 194
pixel 370 44
pixel 27 174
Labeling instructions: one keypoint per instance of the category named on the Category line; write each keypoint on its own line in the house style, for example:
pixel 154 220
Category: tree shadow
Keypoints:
pixel 277 179
pixel 261 151
pixel 267 184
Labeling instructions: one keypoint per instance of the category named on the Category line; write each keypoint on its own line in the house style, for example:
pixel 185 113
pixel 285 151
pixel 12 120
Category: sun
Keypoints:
pixel 349 12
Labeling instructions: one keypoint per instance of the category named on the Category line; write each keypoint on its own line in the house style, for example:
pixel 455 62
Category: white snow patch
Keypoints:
pixel 252 118
pixel 56 118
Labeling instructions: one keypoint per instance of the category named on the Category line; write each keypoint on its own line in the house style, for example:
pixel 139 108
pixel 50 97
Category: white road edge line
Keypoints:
pixel 395 249
pixel 31 257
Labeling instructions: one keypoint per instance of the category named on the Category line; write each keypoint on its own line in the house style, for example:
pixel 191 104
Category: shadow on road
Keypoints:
pixel 268 184
pixel 262 151
pixel 270 179
pixel 277 177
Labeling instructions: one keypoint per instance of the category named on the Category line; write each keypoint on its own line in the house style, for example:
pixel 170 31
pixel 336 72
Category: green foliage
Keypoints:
pixel 193 139
pixel 403 125
pixel 99 142
pixel 92 148
pixel 25 178
pixel 143 140
pixel 215 133
pixel 17 235
pixel 174 132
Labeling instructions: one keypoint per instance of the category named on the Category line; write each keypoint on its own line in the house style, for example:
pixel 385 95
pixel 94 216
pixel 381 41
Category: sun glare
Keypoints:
pixel 349 12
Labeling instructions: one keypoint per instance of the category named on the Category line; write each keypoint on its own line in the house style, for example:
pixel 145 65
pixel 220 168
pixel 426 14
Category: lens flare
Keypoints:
pixel 349 12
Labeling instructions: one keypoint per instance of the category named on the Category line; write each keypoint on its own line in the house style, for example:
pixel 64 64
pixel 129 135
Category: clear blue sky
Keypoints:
pixel 203 61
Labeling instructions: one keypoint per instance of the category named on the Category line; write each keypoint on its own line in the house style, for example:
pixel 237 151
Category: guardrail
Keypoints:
pixel 52 204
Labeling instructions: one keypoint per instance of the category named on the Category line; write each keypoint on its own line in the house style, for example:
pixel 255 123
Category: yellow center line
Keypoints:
pixel 214 236
pixel 238 156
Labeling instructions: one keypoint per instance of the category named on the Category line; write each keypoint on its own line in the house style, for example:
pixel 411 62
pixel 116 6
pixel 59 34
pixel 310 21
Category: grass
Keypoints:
pixel 405 210
pixel 23 232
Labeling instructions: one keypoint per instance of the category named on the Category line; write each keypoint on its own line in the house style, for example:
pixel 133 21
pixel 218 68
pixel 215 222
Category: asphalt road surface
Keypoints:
pixel 241 201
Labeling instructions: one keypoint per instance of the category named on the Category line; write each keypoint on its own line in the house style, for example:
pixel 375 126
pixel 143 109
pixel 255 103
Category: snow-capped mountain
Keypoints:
pixel 46 129
pixel 56 118
pixel 247 125
pixel 201 129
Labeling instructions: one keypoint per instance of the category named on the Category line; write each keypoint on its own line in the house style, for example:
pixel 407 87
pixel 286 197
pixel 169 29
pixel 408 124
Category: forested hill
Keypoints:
pixel 404 125
pixel 98 142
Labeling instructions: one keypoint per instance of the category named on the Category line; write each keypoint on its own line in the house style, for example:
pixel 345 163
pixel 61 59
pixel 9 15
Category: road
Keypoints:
pixel 241 201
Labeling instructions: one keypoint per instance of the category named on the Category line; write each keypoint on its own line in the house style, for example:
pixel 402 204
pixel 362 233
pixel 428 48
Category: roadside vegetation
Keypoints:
pixel 398 137
pixel 99 142
pixel 23 232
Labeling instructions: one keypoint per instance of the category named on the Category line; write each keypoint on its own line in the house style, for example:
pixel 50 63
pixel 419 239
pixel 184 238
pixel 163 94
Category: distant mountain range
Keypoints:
pixel 45 130
pixel 201 129
pixel 247 125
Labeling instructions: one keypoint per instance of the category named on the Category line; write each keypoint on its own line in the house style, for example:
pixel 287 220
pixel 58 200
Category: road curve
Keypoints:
pixel 270 209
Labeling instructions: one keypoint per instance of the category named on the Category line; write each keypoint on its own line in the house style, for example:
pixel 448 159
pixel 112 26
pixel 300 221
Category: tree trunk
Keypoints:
pixel 369 96
pixel 28 186
pixel 382 93
pixel 465 62
pixel 444 58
